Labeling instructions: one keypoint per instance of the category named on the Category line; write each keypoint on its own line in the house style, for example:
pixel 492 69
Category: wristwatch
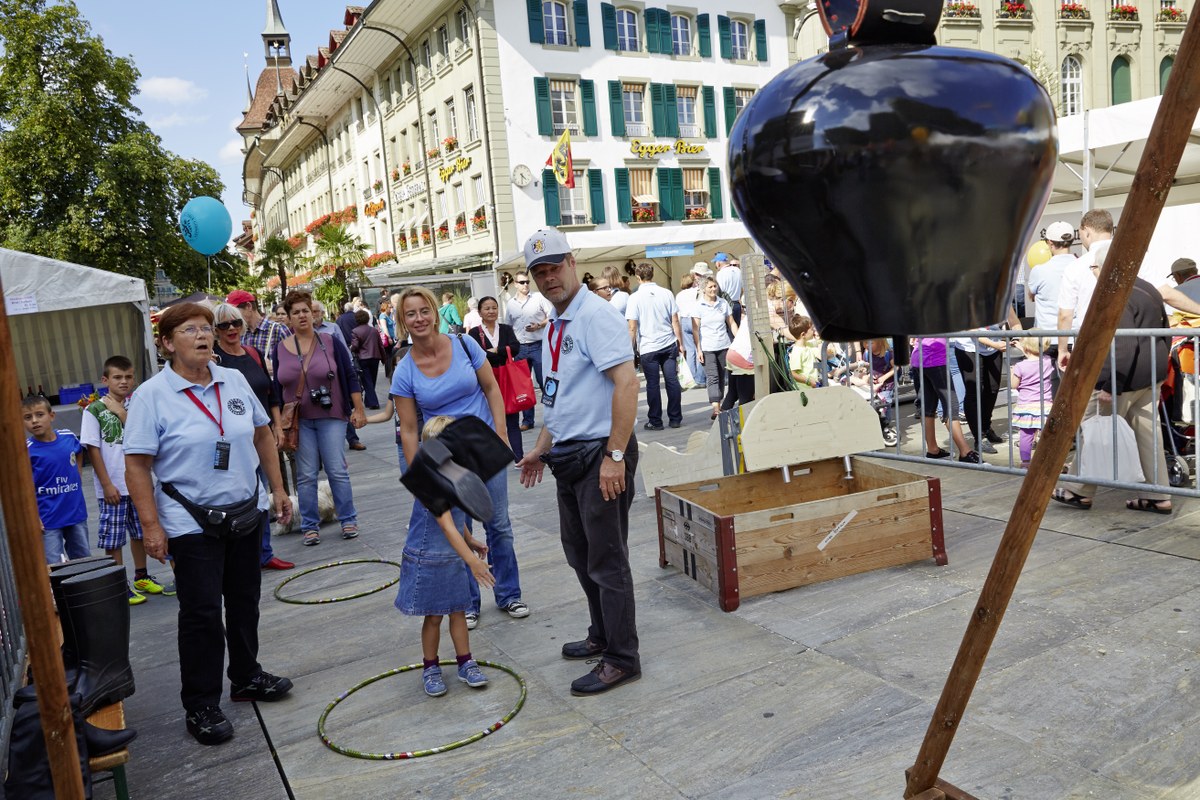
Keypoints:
pixel 616 455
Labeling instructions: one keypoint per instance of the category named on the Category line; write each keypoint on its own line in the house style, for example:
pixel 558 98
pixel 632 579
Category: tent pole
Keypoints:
pixel 1089 188
pixel 23 525
pixel 1148 194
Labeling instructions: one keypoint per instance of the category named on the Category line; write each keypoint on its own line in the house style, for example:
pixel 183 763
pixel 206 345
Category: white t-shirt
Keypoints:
pixel 1045 284
pixel 686 302
pixel 652 307
pixel 714 335
pixel 101 428
pixel 519 313
pixel 619 300
pixel 1078 283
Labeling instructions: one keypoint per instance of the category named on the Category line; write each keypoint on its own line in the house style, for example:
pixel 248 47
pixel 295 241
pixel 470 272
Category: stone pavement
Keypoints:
pixel 821 691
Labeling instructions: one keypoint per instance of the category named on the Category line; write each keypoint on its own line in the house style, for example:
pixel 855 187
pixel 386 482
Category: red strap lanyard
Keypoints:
pixel 555 347
pixel 207 413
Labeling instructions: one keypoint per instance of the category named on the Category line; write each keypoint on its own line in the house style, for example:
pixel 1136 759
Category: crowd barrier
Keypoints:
pixel 12 645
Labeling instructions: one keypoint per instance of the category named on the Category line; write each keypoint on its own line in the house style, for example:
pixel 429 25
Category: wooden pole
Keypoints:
pixel 1164 149
pixel 33 583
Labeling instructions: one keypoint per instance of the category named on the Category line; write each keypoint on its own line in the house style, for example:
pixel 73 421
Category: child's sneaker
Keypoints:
pixel 168 588
pixel 470 674
pixel 135 598
pixel 432 678
pixel 147 585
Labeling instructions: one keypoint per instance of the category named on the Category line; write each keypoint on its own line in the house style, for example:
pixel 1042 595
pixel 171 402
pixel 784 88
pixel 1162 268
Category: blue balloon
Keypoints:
pixel 205 225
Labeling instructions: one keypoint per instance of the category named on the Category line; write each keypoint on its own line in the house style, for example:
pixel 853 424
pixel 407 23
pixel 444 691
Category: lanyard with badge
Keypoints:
pixel 550 387
pixel 221 454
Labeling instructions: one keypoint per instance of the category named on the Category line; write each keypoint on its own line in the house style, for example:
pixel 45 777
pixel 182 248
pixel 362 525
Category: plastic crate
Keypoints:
pixel 72 393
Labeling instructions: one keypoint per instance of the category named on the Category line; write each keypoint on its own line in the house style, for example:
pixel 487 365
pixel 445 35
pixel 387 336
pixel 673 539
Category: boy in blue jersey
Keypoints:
pixel 58 479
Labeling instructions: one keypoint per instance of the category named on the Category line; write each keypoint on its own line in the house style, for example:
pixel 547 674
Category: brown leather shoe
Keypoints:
pixel 604 677
pixel 357 446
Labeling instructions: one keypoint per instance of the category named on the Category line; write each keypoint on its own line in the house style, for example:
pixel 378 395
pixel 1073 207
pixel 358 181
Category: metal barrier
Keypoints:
pixel 12 645
pixel 1175 438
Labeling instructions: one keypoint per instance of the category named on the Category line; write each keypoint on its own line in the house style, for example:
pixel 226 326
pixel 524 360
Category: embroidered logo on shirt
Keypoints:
pixel 568 344
pixel 236 406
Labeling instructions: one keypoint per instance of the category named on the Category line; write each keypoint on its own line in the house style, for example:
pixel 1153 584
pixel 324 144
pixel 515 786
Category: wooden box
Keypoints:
pixel 749 534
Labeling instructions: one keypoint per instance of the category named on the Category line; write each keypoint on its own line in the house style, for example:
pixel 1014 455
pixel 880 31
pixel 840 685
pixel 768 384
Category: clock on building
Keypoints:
pixel 521 175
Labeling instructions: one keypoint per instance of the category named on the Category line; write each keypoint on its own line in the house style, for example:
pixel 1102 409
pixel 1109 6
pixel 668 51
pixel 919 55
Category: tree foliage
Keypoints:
pixel 338 255
pixel 277 258
pixel 82 177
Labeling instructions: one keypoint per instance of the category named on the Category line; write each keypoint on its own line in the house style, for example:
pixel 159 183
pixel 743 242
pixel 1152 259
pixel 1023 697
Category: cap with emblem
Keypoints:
pixel 547 246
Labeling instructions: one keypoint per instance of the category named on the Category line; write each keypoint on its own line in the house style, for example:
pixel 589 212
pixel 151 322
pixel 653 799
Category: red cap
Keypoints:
pixel 240 297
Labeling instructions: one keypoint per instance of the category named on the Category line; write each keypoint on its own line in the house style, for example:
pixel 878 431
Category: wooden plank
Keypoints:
pixel 809 425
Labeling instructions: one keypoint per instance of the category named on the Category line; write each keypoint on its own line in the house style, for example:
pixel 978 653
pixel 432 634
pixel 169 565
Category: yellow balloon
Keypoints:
pixel 1039 253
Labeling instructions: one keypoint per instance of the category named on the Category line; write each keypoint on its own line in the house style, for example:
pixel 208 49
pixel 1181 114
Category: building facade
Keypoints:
pixel 427 126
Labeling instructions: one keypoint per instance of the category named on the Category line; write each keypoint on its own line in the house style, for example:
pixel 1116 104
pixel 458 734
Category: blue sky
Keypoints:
pixel 193 85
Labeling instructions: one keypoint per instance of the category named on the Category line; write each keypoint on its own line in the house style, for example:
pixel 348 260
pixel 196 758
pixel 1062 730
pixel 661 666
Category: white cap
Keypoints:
pixel 1060 233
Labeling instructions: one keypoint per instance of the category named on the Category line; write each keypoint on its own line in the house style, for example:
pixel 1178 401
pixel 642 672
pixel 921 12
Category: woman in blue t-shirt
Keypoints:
pixel 450 376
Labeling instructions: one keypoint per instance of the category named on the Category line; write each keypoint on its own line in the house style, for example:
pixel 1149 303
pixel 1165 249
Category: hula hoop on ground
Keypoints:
pixel 475 737
pixel 278 589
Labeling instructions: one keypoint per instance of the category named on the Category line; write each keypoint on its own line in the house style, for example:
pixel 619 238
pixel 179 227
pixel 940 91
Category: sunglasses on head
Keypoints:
pixel 233 323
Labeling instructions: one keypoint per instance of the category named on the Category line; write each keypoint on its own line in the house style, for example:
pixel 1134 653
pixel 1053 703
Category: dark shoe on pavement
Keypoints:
pixel 357 446
pixel 985 447
pixel 604 677
pixel 675 424
pixel 517 609
pixel 526 427
pixel 970 458
pixel 263 687
pixel 276 562
pixel 650 426
pixel 993 437
pixel 208 725
pixel 583 649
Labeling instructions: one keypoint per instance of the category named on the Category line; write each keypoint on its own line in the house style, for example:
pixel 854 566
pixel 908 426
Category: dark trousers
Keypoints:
pixel 665 361
pixel 532 353
pixel 715 372
pixel 370 374
pixel 595 539
pixel 513 424
pixel 979 409
pixel 207 571
pixel 741 391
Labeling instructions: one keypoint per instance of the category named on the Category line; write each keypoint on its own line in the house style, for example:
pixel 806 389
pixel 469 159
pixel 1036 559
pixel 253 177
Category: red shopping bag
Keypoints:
pixel 516 384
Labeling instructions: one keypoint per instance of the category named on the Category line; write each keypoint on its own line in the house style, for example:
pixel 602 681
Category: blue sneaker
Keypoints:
pixel 432 678
pixel 470 674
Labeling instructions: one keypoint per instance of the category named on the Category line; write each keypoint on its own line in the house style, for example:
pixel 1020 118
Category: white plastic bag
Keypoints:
pixel 1096 450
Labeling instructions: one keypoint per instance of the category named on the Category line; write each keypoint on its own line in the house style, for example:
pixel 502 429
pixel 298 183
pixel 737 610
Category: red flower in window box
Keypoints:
pixel 443 232
pixel 1124 12
pixel 479 222
pixel 644 214
pixel 1073 11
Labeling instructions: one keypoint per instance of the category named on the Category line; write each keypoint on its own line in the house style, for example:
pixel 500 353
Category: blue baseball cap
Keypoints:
pixel 721 257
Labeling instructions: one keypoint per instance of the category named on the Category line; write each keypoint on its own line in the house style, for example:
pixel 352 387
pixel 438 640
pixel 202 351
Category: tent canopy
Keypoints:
pixel 67 319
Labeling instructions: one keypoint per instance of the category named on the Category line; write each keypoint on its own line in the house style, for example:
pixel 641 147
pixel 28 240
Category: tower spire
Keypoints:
pixel 249 91
pixel 275 36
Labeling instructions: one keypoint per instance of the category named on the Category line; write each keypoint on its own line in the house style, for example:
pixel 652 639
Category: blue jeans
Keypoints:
pixel 533 353
pixel 667 362
pixel 71 538
pixel 321 444
pixel 499 540
pixel 693 356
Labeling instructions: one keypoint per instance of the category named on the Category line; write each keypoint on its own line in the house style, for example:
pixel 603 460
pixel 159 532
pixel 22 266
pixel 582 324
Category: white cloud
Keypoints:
pixel 176 120
pixel 174 91
pixel 231 151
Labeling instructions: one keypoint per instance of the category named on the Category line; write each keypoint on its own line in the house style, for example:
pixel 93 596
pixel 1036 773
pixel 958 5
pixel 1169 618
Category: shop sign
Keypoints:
pixel 461 165
pixel 373 209
pixel 408 191
pixel 669 250
pixel 654 150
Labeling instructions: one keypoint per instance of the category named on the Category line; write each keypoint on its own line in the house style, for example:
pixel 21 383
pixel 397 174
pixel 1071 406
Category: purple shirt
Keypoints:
pixel 320 369
pixel 929 353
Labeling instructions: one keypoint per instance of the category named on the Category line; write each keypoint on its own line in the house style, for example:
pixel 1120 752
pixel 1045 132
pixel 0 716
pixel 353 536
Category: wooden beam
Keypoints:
pixel 1148 194
pixel 24 529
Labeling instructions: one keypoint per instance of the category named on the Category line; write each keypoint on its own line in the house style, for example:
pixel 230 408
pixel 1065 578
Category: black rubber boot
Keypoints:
pixel 69 570
pixel 98 561
pixel 28 763
pixel 100 741
pixel 98 606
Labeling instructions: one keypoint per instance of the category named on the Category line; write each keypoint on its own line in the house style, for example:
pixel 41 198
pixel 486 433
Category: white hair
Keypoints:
pixel 223 312
pixel 472 302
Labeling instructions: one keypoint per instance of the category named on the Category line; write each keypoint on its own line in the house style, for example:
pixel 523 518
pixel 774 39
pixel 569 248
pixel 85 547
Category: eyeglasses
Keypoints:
pixel 603 288
pixel 233 323
pixel 523 283
pixel 192 330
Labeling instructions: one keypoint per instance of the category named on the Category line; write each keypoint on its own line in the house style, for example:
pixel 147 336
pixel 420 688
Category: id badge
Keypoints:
pixel 549 392
pixel 221 456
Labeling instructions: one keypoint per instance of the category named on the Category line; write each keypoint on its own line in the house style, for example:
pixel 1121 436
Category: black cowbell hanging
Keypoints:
pixel 895 182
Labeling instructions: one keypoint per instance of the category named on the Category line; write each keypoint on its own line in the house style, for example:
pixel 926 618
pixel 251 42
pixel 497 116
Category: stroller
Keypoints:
pixel 1176 414
pixel 858 377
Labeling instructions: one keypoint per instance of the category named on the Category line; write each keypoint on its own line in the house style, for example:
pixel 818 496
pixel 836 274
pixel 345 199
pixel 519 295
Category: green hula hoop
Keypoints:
pixel 278 589
pixel 475 737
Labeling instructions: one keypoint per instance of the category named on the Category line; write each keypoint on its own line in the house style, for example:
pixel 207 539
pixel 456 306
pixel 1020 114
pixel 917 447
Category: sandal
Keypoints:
pixel 939 454
pixel 349 531
pixel 1153 506
pixel 1071 499
pixel 311 538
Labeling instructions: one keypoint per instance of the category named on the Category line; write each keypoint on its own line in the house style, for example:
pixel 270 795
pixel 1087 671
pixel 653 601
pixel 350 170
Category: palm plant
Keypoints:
pixel 277 257
pixel 338 255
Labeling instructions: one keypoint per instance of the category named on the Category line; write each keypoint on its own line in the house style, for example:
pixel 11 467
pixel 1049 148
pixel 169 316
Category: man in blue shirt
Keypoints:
pixel 590 399
pixel 654 330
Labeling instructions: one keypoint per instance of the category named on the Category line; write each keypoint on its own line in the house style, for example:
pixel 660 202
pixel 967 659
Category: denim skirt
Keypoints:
pixel 434 580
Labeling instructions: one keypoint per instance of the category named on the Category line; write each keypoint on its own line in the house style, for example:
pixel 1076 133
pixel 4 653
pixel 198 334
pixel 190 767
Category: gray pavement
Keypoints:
pixel 820 691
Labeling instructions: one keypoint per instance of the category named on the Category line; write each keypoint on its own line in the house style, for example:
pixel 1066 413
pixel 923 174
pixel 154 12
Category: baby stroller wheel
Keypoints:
pixel 1177 471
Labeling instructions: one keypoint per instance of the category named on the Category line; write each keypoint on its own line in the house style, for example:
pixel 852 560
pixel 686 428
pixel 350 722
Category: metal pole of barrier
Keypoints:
pixel 1164 149
pixel 23 528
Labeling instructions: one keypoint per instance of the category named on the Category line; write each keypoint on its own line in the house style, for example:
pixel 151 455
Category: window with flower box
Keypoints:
pixel 954 9
pixel 1073 11
pixel 1013 9
pixel 1123 12
pixel 637 196
pixel 1168 11
pixel 433 147
pixel 460 207
pixel 451 121
pixel 695 193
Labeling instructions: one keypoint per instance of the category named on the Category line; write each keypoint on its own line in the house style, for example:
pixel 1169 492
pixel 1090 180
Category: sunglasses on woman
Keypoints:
pixel 233 323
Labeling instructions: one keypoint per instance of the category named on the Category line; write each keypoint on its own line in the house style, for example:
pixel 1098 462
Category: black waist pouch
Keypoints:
pixel 570 461
pixel 231 521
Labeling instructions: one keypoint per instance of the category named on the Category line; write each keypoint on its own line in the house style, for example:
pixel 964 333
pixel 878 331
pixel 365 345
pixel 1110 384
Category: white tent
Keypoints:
pixel 66 319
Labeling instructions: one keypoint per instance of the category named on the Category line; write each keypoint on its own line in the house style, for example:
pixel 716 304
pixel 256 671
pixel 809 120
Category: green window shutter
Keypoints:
pixel 671 110
pixel 710 111
pixel 608 22
pixel 705 35
pixel 537 26
pixel 1122 91
pixel 624 199
pixel 658 110
pixel 583 30
pixel 666 205
pixel 616 109
pixel 665 45
pixel 596 190
pixel 587 93
pixel 732 207
pixel 652 35
pixel 730 109
pixel 715 208
pixel 760 38
pixel 541 96
pixel 550 197
pixel 677 192
pixel 726 37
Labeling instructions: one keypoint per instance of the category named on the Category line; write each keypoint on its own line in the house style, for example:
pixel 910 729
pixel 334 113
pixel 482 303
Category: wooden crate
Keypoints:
pixel 750 534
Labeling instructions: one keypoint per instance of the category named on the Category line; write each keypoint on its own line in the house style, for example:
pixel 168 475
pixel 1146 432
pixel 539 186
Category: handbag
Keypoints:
pixel 454 328
pixel 570 461
pixel 232 521
pixel 516 384
pixel 289 418
pixel 1097 449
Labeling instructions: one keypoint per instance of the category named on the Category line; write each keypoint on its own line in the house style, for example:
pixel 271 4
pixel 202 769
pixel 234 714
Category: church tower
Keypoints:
pixel 277 76
pixel 277 42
